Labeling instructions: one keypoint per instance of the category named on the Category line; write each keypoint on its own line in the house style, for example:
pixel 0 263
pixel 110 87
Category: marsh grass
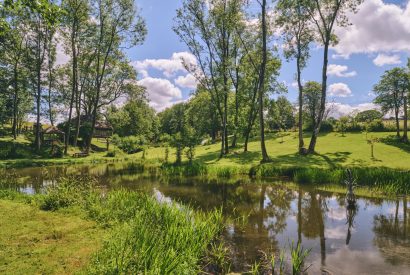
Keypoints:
pixel 152 237
pixel 146 235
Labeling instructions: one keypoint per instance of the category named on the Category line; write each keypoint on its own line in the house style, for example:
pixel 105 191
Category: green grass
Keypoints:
pixel 143 235
pixel 38 242
pixel 333 150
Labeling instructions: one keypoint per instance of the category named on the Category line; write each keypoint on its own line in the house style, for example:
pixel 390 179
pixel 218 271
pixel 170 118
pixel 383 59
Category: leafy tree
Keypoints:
pixel 117 24
pixel 325 15
pixel 280 114
pixel 135 118
pixel 208 31
pixel 342 124
pixel 75 21
pixel 392 91
pixel 368 116
pixel 311 100
pixel 293 19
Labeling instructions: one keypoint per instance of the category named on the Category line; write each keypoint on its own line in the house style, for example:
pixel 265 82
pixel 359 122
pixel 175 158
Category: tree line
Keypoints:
pixel 235 43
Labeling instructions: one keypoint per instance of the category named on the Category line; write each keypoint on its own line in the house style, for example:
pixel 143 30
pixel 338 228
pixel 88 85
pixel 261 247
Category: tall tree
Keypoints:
pixel 325 15
pixel 311 100
pixel 207 28
pixel 75 21
pixel 293 19
pixel 261 84
pixel 117 24
pixel 38 44
pixel 391 92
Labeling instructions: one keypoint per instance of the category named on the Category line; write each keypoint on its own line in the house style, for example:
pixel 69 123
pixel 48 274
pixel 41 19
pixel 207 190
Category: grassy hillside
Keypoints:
pixel 333 150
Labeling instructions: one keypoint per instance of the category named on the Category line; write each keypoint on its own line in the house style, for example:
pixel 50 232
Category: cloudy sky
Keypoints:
pixel 378 40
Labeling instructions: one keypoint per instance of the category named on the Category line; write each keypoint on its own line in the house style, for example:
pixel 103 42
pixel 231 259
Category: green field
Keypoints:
pixel 333 150
pixel 39 242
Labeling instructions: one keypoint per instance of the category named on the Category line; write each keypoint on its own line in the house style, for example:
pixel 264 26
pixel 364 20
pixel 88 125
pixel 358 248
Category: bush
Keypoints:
pixel 131 144
pixel 68 192
pixel 111 154
pixel 376 126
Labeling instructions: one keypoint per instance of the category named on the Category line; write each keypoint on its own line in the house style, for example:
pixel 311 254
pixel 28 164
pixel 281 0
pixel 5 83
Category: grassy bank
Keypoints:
pixel 37 242
pixel 143 235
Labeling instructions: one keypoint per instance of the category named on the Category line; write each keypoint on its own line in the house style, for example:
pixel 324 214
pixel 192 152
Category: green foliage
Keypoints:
pixel 68 192
pixel 368 116
pixel 156 237
pixel 136 118
pixel 280 114
pixel 130 144
pixel 298 257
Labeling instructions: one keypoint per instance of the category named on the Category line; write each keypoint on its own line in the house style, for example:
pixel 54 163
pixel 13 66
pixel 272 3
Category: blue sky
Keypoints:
pixel 378 40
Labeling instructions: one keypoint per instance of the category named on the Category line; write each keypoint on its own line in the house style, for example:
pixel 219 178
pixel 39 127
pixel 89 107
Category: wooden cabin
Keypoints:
pixel 102 130
pixel 52 135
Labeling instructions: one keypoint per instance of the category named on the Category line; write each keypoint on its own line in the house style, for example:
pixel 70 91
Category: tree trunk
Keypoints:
pixel 15 103
pixel 236 121
pixel 226 151
pixel 396 114
pixel 299 216
pixel 265 157
pixel 38 106
pixel 322 109
pixel 301 142
pixel 405 138
pixel 74 86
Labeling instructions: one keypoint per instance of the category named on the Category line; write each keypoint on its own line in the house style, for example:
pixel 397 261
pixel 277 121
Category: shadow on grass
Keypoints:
pixel 393 141
pixel 332 160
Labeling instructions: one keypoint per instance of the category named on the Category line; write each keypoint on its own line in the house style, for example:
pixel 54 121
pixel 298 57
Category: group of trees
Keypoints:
pixel 93 34
pixel 237 70
pixel 237 61
pixel 392 94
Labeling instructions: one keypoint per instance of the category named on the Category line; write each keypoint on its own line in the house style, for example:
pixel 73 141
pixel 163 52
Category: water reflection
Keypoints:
pixel 369 238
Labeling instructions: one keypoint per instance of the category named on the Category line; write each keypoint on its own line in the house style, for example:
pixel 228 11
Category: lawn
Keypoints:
pixel 38 242
pixel 333 150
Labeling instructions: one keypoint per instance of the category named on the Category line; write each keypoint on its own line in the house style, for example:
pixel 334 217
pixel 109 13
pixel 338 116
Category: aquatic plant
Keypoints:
pixel 298 257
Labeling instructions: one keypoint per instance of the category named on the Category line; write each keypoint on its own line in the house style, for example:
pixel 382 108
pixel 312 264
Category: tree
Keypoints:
pixel 117 25
pixel 368 116
pixel 37 42
pixel 14 61
pixel 311 100
pixel 261 84
pixel 325 15
pixel 391 92
pixel 135 118
pixel 280 114
pixel 293 19
pixel 208 31
pixel 75 20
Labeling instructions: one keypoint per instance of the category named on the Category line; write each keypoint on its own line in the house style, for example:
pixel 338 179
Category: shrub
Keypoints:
pixel 131 144
pixel 69 191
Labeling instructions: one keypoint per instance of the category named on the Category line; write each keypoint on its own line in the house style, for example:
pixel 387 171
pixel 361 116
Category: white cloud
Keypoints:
pixel 338 109
pixel 383 59
pixel 377 27
pixel 161 92
pixel 340 71
pixel 188 81
pixel 169 67
pixel 339 90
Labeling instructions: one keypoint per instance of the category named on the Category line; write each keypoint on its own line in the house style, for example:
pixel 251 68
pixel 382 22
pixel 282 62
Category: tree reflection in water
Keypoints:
pixel 391 234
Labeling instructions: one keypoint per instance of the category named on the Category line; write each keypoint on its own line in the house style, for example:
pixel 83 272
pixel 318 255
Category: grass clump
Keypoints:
pixel 145 235
pixel 157 239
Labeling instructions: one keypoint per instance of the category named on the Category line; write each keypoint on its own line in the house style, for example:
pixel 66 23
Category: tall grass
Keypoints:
pixel 154 238
pixel 147 236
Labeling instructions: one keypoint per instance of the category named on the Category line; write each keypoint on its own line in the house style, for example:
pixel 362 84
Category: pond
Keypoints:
pixel 267 215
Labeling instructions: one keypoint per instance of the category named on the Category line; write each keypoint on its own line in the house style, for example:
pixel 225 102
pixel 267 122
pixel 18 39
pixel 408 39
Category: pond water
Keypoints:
pixel 373 238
